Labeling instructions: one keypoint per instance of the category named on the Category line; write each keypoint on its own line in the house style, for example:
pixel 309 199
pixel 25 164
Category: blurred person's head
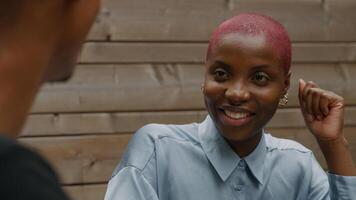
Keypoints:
pixel 39 41
pixel 247 74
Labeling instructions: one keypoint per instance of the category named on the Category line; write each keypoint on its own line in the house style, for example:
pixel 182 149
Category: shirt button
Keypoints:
pixel 241 163
pixel 237 188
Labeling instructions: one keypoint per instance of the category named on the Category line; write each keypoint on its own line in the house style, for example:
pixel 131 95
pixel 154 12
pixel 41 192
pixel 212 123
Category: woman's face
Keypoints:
pixel 244 82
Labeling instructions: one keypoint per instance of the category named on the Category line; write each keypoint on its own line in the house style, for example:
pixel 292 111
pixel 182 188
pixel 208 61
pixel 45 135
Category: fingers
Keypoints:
pixel 324 106
pixel 316 102
pixel 300 95
pixel 315 105
pixel 301 88
pixel 307 95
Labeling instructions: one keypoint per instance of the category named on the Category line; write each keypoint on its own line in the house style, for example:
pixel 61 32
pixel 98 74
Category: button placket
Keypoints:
pixel 239 180
pixel 242 164
pixel 238 188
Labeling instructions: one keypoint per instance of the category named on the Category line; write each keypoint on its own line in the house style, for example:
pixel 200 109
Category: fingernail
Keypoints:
pixel 319 117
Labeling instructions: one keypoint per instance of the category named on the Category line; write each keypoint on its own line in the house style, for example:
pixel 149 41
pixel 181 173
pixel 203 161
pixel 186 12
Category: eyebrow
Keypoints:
pixel 221 63
pixel 261 66
pixel 269 68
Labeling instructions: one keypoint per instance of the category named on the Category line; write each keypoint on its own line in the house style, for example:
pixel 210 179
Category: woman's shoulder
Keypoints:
pixel 141 147
pixel 280 144
pixel 151 132
pixel 289 152
pixel 291 159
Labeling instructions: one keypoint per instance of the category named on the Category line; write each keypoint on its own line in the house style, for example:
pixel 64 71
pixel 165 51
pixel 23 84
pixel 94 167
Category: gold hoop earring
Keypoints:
pixel 283 101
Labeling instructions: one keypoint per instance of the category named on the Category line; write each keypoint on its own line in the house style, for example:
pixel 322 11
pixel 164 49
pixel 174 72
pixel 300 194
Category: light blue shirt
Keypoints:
pixel 194 162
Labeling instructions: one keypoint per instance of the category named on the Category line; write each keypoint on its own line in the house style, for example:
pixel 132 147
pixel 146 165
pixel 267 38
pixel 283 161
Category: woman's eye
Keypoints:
pixel 260 78
pixel 221 74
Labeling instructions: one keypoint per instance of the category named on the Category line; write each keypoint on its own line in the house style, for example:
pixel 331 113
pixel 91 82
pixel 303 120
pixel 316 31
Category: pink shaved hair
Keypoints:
pixel 253 24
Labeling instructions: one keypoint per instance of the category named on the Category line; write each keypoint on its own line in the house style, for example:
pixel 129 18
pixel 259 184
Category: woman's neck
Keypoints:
pixel 245 147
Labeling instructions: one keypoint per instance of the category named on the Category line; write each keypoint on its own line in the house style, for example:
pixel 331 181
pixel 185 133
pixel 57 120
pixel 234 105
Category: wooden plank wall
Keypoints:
pixel 143 63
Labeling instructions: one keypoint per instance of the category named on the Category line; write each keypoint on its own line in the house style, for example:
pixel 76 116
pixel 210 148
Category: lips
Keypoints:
pixel 236 116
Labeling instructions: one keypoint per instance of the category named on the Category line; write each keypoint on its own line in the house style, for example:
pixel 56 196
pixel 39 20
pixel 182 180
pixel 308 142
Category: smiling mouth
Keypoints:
pixel 237 115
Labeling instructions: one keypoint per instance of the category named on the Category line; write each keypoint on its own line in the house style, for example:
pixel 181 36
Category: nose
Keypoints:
pixel 237 93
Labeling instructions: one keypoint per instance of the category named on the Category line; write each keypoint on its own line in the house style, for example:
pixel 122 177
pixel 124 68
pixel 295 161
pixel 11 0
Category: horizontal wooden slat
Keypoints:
pixel 147 75
pixel 142 52
pixel 117 99
pixel 86 192
pixel 91 159
pixel 81 159
pixel 195 52
pixel 185 20
pixel 103 123
pixel 134 75
pixel 112 123
pixel 166 87
pixel 143 64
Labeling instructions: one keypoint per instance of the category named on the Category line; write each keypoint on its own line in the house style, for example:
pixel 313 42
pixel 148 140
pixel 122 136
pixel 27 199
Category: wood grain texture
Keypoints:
pixel 185 20
pixel 86 192
pixel 195 52
pixel 119 123
pixel 143 63
pixel 81 159
pixel 119 88
pixel 91 159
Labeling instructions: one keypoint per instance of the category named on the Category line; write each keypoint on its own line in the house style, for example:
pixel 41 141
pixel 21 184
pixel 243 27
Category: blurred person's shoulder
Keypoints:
pixel 25 174
pixel 11 152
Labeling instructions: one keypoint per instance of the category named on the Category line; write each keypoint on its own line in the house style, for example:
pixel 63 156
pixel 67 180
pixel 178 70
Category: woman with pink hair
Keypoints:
pixel 230 155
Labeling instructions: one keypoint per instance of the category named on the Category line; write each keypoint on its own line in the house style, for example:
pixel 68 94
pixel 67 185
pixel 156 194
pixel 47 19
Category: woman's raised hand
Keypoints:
pixel 323 111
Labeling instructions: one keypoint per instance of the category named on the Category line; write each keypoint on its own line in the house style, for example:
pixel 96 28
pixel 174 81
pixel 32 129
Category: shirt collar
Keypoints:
pixel 256 159
pixel 223 158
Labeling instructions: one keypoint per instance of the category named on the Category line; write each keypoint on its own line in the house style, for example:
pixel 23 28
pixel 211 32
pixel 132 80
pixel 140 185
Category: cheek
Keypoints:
pixel 267 100
pixel 76 21
pixel 213 94
pixel 79 20
pixel 213 91
pixel 269 96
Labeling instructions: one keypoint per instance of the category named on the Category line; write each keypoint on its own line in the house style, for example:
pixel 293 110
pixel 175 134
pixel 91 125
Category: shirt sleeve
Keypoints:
pixel 330 186
pixel 319 185
pixel 342 187
pixel 130 184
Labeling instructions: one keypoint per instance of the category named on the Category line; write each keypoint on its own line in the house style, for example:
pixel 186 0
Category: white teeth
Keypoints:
pixel 236 115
